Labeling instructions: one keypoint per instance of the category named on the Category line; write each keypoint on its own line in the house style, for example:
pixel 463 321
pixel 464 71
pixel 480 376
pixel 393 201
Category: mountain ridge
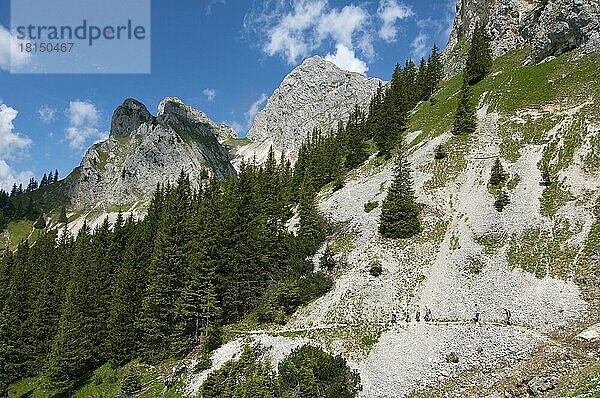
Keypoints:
pixel 144 150
pixel 315 94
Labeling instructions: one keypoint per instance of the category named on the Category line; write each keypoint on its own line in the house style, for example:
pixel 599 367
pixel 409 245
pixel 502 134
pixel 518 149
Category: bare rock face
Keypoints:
pixel 563 25
pixel 173 110
pixel 143 150
pixel 315 94
pixel 128 117
pixel 550 28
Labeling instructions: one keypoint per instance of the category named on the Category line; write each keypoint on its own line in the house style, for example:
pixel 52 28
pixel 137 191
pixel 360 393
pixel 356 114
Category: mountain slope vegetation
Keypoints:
pixel 221 284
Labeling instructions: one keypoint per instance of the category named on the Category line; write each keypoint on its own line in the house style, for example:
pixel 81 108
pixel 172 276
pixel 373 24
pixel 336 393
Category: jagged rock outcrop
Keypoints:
pixel 174 110
pixel 549 27
pixel 315 94
pixel 128 117
pixel 143 150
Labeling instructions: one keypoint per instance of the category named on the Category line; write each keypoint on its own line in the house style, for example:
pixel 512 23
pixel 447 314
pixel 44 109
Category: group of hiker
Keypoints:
pixel 428 317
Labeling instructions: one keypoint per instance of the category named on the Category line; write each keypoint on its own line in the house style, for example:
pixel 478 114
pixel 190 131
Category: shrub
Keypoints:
pixel 376 268
pixel 131 383
pixel 498 175
pixel 313 286
pixel 370 206
pixel 327 261
pixel 475 265
pixel 501 201
pixel 307 372
pixel 311 372
pixel 246 377
pixel 213 338
pixel 267 313
pixel 40 223
pixel 452 357
pixel 546 177
pixel 440 152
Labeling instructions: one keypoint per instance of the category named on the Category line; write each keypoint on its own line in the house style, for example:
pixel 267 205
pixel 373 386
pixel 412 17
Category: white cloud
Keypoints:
pixel 254 108
pixel 389 12
pixel 46 114
pixel 83 121
pixel 8 176
pixel 210 94
pixel 342 25
pixel 249 115
pixel 307 26
pixel 288 37
pixel 10 142
pixel 211 4
pixel 440 29
pixel 448 21
pixel 236 126
pixel 419 47
pixel 10 53
pixel 345 59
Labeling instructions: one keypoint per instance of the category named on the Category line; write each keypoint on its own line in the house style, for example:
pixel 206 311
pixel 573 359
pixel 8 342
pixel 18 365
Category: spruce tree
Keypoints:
pixel 16 345
pixel 73 351
pixel 390 127
pixel 198 308
pixel 465 121
pixel 156 321
pixel 479 60
pixel 46 295
pixel 355 133
pixel 40 223
pixel 435 71
pixel 400 212
pixel 501 201
pixel 128 288
pixel 338 174
pixel 498 175
pixel 310 222
pixel 422 81
pixel 62 216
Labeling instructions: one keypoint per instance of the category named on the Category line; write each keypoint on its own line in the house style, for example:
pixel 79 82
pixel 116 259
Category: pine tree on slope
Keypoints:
pixel 479 60
pixel 310 222
pixel 498 174
pixel 435 71
pixel 400 211
pixel 465 121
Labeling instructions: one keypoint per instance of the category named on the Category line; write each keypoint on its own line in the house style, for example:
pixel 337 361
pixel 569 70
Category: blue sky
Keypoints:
pixel 224 57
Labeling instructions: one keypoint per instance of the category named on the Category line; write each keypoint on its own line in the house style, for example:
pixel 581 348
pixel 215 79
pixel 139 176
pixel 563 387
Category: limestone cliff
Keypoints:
pixel 549 28
pixel 143 150
pixel 315 94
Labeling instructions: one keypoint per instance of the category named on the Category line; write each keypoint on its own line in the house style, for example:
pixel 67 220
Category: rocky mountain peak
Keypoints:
pixel 128 117
pixel 316 63
pixel 549 27
pixel 315 60
pixel 315 94
pixel 175 110
pixel 143 150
